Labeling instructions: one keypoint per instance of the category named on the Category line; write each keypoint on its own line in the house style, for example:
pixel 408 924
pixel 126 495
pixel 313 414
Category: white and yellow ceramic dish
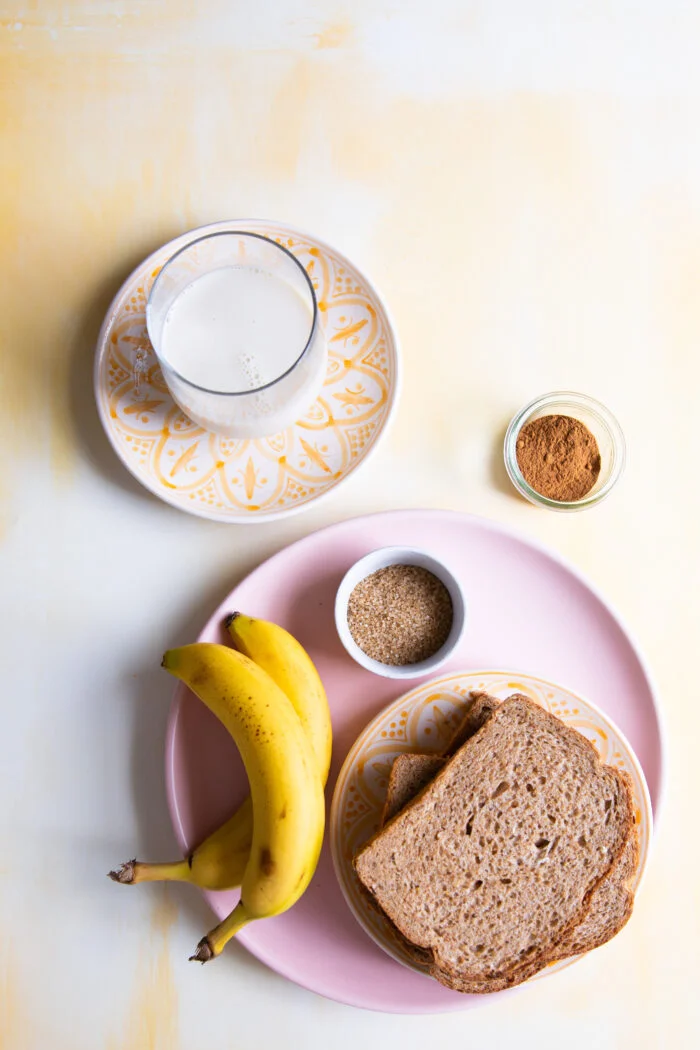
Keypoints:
pixel 423 721
pixel 265 478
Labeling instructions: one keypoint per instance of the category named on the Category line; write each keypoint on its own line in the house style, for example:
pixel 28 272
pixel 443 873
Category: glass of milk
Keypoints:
pixel 233 321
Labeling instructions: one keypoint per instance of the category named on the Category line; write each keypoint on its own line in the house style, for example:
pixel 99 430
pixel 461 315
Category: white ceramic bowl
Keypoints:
pixel 381 559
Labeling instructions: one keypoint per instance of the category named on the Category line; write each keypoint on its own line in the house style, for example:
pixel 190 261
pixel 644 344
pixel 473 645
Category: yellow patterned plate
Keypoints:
pixel 266 478
pixel 423 721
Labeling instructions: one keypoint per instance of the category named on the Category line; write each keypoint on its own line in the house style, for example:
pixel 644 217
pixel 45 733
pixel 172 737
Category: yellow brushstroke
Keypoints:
pixel 164 914
pixel 71 14
pixel 57 284
pixel 334 35
pixel 14 1010
pixel 282 141
pixel 152 1021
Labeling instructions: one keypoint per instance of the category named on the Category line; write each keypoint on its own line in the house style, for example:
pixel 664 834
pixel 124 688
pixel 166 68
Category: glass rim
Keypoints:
pixel 605 417
pixel 253 390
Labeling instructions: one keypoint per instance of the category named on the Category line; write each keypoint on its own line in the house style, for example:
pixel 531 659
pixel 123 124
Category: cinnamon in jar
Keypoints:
pixel 559 457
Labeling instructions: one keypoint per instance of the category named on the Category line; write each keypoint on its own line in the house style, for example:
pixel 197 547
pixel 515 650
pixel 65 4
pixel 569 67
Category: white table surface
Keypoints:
pixel 523 182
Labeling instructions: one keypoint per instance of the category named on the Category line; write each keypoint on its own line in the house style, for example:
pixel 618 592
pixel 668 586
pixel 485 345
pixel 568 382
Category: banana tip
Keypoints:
pixel 125 874
pixel 230 618
pixel 203 952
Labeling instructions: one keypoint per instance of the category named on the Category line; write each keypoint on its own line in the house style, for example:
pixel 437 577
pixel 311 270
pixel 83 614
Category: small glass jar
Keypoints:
pixel 601 423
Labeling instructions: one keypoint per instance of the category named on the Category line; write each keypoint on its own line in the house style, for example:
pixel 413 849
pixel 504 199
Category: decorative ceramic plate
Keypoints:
pixel 423 721
pixel 266 478
pixel 534 611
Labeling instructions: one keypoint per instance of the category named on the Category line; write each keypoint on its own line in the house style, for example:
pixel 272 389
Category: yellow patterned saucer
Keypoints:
pixel 266 478
pixel 423 720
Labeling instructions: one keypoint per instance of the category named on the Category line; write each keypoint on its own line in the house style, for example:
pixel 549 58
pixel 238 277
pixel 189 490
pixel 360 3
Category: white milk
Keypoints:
pixel 235 329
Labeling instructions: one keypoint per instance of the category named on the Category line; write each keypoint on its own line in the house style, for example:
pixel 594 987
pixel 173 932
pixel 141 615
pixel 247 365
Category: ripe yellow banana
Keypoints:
pixel 291 668
pixel 218 863
pixel 286 790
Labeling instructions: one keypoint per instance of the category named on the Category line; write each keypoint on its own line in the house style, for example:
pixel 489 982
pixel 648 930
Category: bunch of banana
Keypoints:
pixel 270 698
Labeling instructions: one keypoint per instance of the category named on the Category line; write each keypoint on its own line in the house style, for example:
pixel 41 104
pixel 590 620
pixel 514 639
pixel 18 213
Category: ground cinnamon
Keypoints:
pixel 558 457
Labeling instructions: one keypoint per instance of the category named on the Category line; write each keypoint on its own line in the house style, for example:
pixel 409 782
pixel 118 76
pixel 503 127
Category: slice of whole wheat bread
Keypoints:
pixel 409 775
pixel 611 902
pixel 411 772
pixel 481 707
pixel 610 907
pixel 487 869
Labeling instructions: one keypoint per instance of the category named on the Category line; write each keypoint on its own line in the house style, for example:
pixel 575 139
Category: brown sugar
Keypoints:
pixel 400 615
pixel 559 457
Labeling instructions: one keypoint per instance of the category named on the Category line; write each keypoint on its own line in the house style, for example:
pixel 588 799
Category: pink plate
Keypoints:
pixel 526 608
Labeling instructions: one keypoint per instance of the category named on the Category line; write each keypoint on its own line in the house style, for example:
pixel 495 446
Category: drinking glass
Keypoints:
pixel 281 400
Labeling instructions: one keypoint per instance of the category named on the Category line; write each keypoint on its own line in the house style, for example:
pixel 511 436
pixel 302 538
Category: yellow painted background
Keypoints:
pixel 523 182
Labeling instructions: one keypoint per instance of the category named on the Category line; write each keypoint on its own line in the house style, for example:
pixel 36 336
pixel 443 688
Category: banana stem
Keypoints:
pixel 136 871
pixel 217 939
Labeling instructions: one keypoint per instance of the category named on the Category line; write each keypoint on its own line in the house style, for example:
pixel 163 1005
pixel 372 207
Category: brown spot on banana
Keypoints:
pixel 199 678
pixel 267 863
